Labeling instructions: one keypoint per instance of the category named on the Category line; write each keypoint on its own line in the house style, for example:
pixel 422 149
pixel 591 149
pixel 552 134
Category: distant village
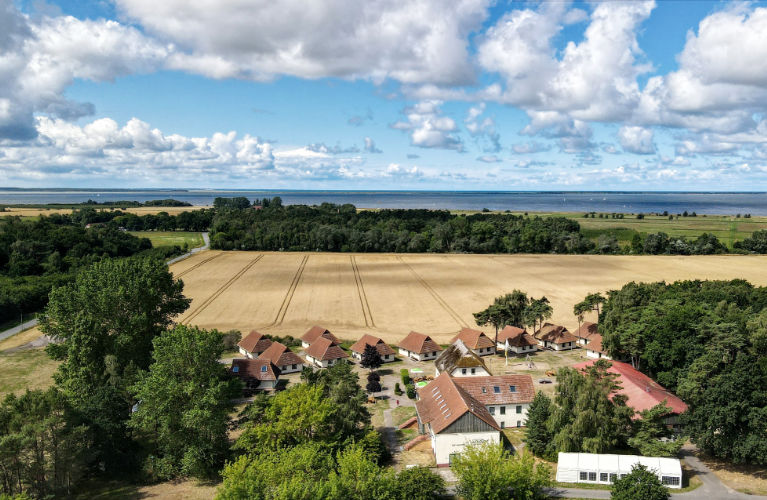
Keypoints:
pixel 459 400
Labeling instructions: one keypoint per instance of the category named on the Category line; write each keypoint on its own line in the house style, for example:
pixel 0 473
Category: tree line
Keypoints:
pixel 707 341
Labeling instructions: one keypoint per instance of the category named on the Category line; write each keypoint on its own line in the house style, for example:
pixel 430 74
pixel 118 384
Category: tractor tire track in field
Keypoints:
pixel 436 296
pixel 366 314
pixel 289 295
pixel 204 305
pixel 203 261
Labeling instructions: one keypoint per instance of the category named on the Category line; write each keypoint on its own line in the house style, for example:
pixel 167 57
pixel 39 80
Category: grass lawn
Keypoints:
pixel 376 412
pixel 173 490
pixel 402 413
pixel 27 369
pixel 170 238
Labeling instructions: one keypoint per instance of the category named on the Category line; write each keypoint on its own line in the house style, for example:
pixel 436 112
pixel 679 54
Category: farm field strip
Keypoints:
pixel 197 310
pixel 440 300
pixel 388 295
pixel 197 265
pixel 361 292
pixel 291 291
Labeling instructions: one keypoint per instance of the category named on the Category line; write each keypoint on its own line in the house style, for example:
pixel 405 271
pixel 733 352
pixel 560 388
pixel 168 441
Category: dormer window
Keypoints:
pixel 263 369
pixel 496 389
pixel 512 388
pixel 484 390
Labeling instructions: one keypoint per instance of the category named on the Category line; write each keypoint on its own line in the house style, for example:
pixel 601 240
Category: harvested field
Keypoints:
pixel 390 294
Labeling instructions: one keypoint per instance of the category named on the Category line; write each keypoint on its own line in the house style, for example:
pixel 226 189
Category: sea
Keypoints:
pixel 729 203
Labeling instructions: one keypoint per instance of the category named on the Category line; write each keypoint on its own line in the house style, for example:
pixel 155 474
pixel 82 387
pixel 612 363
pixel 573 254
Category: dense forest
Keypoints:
pixel 707 341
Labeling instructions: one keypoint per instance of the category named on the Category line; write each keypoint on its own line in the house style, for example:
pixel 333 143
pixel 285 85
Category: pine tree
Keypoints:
pixel 537 434
pixel 371 358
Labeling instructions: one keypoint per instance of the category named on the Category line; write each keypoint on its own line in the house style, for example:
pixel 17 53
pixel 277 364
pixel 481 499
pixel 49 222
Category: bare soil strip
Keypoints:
pixel 292 290
pixel 196 311
pixel 361 292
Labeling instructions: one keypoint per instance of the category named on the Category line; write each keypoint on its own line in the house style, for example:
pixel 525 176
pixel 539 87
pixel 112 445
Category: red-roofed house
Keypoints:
pixel 642 392
pixel 324 353
pixel 256 374
pixel 475 340
pixel 517 340
pixel 316 332
pixel 253 344
pixel 418 347
pixel 285 359
pixel 506 397
pixel 358 348
pixel 555 337
pixel 453 419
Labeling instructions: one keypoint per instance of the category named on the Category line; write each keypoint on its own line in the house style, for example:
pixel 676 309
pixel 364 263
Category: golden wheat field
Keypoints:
pixel 390 294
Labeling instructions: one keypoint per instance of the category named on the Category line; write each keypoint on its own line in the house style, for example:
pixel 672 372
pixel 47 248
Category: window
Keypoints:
pixel 670 480
pixel 603 477
pixel 492 410
pixel 463 371
pixel 613 477
pixel 503 425
pixel 235 369
pixel 484 390
pixel 592 476
pixel 473 371
pixel 583 476
pixel 263 369
pixel 519 423
pixel 519 408
pixel 451 457
pixel 293 367
pixel 512 388
pixel 503 410
pixel 496 389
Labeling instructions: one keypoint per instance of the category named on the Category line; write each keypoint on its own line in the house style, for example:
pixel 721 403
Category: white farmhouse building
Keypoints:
pixel 253 344
pixel 316 332
pixel 285 359
pixel 556 337
pixel 358 348
pixel 453 419
pixel 460 361
pixel 506 397
pixel 475 340
pixel 418 347
pixel 604 469
pixel 516 340
pixel 324 353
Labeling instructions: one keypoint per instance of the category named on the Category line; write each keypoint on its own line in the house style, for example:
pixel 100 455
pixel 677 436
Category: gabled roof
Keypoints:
pixel 642 392
pixel 316 332
pixel 509 332
pixel 595 343
pixel 260 369
pixel 280 355
pixel 255 342
pixel 419 343
pixel 496 389
pixel 324 349
pixel 555 333
pixel 442 402
pixel 586 330
pixel 474 339
pixel 523 340
pixel 381 346
pixel 457 355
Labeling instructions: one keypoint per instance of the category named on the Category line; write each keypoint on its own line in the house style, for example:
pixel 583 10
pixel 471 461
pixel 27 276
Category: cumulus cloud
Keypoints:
pixel 489 159
pixel 637 140
pixel 407 41
pixel 321 147
pixel 370 146
pixel 529 147
pixel 38 60
pixel 483 129
pixel 429 128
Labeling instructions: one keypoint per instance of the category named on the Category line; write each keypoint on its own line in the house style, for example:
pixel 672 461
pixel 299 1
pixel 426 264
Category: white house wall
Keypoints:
pixel 511 416
pixel 445 444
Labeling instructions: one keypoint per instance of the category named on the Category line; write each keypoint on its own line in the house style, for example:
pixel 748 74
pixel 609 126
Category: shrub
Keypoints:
pixel 397 389
pixel 230 339
pixel 410 388
pixel 405 377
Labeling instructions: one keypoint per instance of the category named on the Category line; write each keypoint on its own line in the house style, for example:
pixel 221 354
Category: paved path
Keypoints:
pixel 205 238
pixel 18 329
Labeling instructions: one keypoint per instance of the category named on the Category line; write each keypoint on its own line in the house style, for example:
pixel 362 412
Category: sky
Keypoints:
pixel 384 94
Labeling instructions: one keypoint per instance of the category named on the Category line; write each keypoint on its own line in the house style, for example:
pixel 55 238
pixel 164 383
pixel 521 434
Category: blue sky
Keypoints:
pixel 338 94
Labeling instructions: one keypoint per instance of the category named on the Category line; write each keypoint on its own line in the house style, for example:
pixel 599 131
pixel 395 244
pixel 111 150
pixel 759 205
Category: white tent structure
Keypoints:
pixel 604 469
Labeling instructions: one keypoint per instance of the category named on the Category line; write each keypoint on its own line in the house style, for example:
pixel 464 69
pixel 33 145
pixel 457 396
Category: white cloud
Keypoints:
pixel 370 146
pixel 488 159
pixel 429 128
pixel 412 42
pixel 484 129
pixel 637 140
